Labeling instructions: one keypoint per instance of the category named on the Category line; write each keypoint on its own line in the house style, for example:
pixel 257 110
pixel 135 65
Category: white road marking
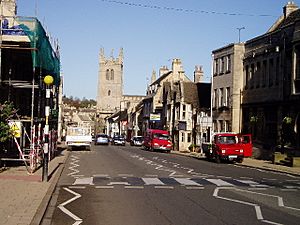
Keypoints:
pixel 163 187
pixel 186 181
pixel 194 188
pixel 257 189
pixel 246 178
pixel 219 182
pixel 288 189
pixel 151 175
pixel 77 187
pixel 253 183
pixel 257 207
pixel 66 211
pixel 176 175
pixel 84 181
pixel 152 181
pixel 118 183
pixel 74 164
pixel 101 175
pixel 224 177
pixel 134 187
pixel 104 187
pixel 125 175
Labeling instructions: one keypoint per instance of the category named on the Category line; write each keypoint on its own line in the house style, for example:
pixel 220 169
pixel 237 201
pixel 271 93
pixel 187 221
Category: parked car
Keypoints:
pixel 118 140
pixel 230 147
pixel 136 141
pixel 101 139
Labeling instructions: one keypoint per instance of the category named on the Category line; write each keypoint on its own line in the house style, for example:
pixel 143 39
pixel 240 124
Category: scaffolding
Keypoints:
pixel 26 57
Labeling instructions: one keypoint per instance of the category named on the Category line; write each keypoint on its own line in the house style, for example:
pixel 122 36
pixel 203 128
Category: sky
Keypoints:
pixel 151 32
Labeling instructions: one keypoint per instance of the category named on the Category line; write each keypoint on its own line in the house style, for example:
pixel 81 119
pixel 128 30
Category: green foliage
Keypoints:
pixel 193 146
pixel 76 102
pixel 7 112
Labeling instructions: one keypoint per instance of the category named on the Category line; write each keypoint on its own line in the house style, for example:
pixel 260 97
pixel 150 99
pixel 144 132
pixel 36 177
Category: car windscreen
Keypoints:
pixel 161 136
pixel 103 136
pixel 228 139
pixel 138 138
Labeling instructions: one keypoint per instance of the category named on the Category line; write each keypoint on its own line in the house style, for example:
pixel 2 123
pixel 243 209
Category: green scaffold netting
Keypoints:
pixel 44 57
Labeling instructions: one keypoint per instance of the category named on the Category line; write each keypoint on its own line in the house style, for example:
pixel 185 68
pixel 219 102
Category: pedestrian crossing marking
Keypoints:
pixel 84 181
pixel 176 181
pixel 220 182
pixel 186 181
pixel 152 181
pixel 253 183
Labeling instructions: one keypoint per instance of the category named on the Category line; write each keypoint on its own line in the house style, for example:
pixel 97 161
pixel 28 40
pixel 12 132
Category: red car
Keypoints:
pixel 157 140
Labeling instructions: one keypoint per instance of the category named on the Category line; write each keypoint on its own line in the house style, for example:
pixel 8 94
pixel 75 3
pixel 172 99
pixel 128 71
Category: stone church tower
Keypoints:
pixel 8 7
pixel 110 84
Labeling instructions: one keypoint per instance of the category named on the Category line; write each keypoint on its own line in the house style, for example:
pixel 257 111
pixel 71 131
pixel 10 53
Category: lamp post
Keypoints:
pixel 239 29
pixel 48 80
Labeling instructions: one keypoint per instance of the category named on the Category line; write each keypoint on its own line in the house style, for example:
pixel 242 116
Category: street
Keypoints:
pixel 120 185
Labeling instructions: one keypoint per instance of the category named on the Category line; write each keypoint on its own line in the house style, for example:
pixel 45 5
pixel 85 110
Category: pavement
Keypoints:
pixel 24 197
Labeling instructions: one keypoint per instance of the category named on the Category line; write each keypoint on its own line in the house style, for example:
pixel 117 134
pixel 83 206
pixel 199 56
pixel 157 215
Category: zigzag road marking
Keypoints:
pixel 74 164
pixel 257 208
pixel 66 211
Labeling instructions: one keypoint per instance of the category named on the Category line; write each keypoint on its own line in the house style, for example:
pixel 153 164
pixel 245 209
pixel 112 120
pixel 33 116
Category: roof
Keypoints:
pixel 158 80
pixel 189 92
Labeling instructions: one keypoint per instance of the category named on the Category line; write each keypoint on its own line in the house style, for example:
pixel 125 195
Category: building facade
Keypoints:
pixel 227 85
pixel 271 92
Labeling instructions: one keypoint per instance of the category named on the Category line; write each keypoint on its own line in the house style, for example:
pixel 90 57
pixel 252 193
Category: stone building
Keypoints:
pixel 111 102
pixel 256 84
pixel 110 87
pixel 271 90
pixel 227 85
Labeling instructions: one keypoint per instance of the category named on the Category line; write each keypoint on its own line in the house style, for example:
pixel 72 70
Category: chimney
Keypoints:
pixel 8 7
pixel 177 69
pixel 163 70
pixel 198 74
pixel 289 8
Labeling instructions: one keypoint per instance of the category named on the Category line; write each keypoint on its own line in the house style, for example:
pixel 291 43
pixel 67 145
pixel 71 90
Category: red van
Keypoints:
pixel 230 147
pixel 157 140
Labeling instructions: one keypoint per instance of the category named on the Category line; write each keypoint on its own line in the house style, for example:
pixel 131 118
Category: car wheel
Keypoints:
pixel 240 160
pixel 217 159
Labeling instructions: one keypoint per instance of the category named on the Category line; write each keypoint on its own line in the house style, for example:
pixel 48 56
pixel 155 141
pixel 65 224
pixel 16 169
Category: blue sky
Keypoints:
pixel 150 37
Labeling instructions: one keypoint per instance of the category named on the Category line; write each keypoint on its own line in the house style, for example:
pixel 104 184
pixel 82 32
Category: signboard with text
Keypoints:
pixel 154 117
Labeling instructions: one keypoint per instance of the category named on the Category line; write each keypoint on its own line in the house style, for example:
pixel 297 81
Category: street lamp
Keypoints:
pixel 239 29
pixel 48 80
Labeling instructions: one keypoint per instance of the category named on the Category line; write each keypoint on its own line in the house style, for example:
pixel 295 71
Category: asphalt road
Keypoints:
pixel 117 185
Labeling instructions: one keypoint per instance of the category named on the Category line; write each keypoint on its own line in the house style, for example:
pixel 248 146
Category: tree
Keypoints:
pixel 7 112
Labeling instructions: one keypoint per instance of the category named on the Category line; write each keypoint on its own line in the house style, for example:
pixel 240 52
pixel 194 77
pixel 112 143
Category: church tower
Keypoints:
pixel 110 83
pixel 8 7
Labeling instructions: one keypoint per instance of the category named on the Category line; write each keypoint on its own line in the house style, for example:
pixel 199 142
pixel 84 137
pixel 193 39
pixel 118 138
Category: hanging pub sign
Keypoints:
pixel 154 117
